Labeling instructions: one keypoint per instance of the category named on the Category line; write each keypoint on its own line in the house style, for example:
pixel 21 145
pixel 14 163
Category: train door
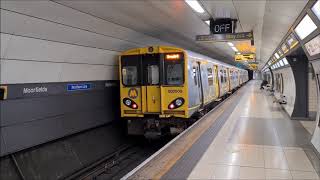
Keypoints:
pixel 200 86
pixel 151 74
pixel 216 80
pixel 228 75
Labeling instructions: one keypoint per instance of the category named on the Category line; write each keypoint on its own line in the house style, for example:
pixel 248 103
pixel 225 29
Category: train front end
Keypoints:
pixel 153 88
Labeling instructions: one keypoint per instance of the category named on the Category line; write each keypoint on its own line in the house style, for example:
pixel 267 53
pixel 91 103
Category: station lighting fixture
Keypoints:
pixel 235 49
pixel 285 61
pixel 208 22
pixel 230 44
pixel 277 56
pixel 281 63
pixel 316 9
pixel 195 5
pixel 238 53
pixel 305 27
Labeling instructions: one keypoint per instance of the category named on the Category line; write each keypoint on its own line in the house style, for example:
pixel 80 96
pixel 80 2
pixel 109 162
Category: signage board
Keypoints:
pixel 244 57
pixel 79 87
pixel 292 41
pixel 313 46
pixel 225 37
pixel 284 48
pixel 253 66
pixel 222 26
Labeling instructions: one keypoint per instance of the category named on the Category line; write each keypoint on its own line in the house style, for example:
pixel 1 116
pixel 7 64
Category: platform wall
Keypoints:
pixel 316 134
pixel 289 87
pixel 48 45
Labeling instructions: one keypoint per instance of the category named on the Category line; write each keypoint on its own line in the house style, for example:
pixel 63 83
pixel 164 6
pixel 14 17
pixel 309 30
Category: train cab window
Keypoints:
pixel 130 68
pixel 130 75
pixel 153 74
pixel 173 67
pixel 151 70
pixel 210 76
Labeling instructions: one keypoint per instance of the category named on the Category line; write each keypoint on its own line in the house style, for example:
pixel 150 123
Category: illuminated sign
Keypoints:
pixel 292 41
pixel 222 26
pixel 305 27
pixel 253 66
pixel 280 53
pixel 225 37
pixel 316 9
pixel 172 56
pixel 313 46
pixel 284 48
pixel 244 57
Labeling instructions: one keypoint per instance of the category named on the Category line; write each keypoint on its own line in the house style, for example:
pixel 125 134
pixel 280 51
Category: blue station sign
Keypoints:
pixel 79 87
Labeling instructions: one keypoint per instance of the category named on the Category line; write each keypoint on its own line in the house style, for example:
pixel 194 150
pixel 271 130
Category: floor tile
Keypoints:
pixel 252 156
pixel 252 173
pixel 275 158
pixel 225 172
pixel 297 160
pixel 201 172
pixel 277 174
pixel 304 175
pixel 222 155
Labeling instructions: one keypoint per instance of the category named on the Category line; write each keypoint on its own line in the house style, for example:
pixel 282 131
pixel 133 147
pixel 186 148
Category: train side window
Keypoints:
pixel 210 76
pixel 194 74
pixel 225 75
pixel 221 76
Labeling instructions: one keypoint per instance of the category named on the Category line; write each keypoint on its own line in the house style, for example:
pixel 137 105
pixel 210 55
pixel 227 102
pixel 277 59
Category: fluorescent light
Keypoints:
pixel 195 5
pixel 285 61
pixel 281 63
pixel 305 27
pixel 235 49
pixel 238 53
pixel 208 22
pixel 316 9
pixel 230 44
pixel 277 56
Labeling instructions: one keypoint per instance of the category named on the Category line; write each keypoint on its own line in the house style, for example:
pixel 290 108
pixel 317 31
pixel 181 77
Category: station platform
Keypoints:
pixel 248 136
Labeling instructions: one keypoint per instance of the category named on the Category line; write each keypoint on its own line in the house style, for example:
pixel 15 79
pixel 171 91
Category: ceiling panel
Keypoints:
pixel 177 23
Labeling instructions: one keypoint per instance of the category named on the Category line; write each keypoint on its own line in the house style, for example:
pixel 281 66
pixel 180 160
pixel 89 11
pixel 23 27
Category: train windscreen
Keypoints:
pixel 130 68
pixel 152 69
pixel 173 67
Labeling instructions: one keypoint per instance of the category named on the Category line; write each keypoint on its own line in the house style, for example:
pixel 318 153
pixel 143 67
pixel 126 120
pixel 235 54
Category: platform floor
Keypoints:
pixel 257 141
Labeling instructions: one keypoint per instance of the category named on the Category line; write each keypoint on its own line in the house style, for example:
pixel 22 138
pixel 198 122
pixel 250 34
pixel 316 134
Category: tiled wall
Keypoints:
pixel 316 135
pixel 289 88
pixel 43 41
pixel 47 44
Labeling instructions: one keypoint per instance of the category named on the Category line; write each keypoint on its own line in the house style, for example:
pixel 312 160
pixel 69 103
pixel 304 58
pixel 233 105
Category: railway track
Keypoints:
pixel 117 164
pixel 125 158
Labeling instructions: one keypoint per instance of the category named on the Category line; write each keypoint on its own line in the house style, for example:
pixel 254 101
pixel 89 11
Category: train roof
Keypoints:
pixel 203 57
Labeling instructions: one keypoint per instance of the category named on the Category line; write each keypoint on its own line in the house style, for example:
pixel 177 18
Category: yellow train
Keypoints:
pixel 163 87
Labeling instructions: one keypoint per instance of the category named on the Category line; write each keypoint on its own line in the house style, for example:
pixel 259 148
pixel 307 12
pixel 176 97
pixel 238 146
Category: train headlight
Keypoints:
pixel 176 103
pixel 129 103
